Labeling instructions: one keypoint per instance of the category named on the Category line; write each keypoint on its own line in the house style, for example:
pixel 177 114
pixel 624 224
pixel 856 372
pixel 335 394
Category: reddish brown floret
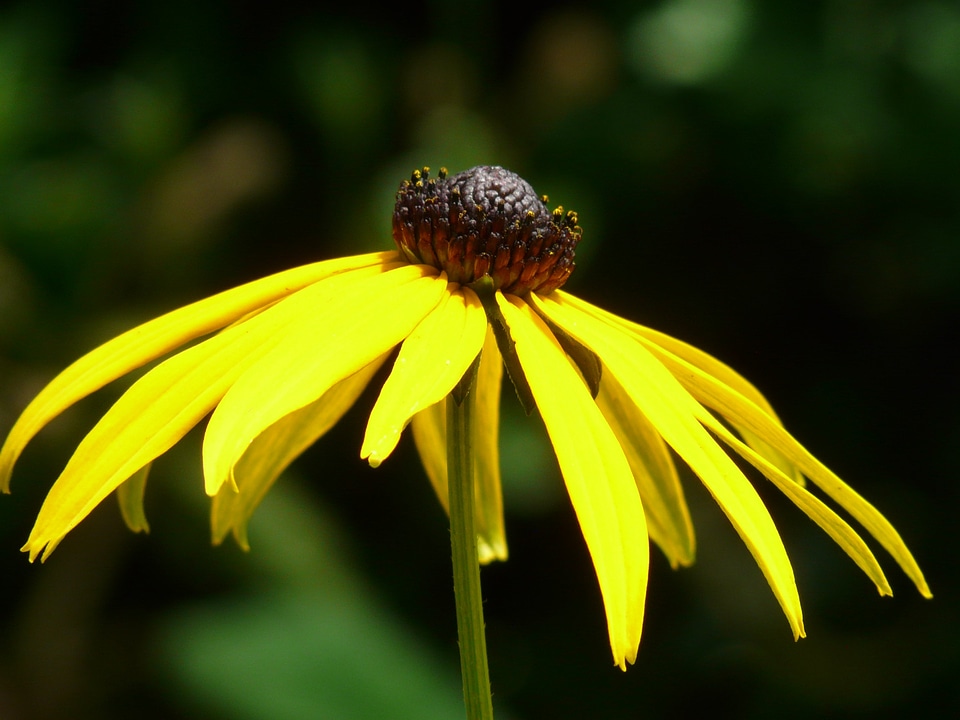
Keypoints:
pixel 485 221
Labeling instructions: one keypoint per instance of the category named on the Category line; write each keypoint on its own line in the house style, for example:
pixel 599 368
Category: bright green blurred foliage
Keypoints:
pixel 775 182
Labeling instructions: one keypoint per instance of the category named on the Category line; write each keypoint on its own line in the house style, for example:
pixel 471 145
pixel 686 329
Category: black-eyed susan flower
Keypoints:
pixel 471 288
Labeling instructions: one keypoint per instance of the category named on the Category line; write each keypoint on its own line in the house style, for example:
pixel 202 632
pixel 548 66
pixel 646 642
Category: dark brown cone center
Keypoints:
pixel 485 221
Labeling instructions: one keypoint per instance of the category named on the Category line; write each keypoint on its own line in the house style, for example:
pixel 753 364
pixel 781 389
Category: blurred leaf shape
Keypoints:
pixel 310 641
pixel 686 42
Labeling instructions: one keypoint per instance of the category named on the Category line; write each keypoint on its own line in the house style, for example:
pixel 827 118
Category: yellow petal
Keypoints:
pixel 130 498
pixel 157 337
pixel 329 341
pixel 597 475
pixel 657 342
pixel 431 362
pixel 278 446
pixel 742 412
pixel 674 412
pixel 488 503
pixel 145 422
pixel 668 518
pixel 827 519
pixel 160 408
pixel 429 428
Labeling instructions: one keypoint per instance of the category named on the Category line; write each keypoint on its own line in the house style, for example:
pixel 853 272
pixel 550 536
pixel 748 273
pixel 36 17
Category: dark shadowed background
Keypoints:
pixel 776 183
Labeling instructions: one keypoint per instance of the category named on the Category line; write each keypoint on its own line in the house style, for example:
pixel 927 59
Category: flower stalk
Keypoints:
pixel 463 538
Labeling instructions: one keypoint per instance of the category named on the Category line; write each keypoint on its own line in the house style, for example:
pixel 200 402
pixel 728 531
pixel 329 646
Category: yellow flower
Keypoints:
pixel 476 273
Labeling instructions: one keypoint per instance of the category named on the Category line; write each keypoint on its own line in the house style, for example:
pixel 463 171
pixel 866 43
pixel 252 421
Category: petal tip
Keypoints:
pixel 41 548
pixel 489 552
pixel 241 538
pixel 213 483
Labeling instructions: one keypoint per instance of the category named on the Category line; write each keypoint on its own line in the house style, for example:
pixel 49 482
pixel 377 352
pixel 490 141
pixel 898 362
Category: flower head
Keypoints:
pixel 476 274
pixel 486 222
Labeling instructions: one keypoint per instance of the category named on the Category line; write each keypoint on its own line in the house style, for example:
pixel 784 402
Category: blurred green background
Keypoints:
pixel 776 183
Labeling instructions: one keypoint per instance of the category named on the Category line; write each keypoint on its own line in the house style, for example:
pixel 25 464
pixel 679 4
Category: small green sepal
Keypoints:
pixel 484 289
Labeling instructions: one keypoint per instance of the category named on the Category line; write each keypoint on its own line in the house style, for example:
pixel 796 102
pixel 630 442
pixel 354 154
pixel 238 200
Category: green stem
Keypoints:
pixel 466 566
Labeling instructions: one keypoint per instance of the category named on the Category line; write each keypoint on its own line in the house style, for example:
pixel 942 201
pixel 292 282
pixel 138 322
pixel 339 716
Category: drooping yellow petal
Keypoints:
pixel 431 362
pixel 429 427
pixel 336 338
pixel 707 364
pixel 488 503
pixel 742 412
pixel 157 337
pixel 673 412
pixel 147 420
pixel 596 472
pixel 668 518
pixel 827 519
pixel 161 407
pixel 130 498
pixel 430 435
pixel 273 451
